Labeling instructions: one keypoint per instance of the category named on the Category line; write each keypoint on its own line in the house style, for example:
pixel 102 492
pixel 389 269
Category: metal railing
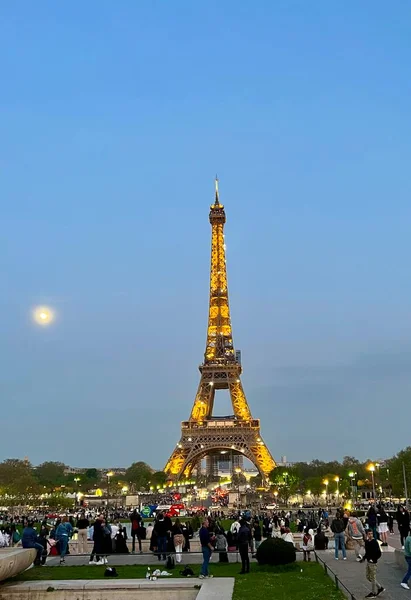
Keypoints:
pixel 338 583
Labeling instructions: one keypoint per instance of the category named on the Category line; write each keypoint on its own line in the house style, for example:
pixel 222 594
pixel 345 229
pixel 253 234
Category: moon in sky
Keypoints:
pixel 43 315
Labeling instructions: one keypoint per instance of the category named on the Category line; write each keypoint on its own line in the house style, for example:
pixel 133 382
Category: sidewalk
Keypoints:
pixel 352 574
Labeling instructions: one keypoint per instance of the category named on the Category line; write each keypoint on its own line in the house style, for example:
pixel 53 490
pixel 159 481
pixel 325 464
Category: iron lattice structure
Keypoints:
pixel 204 434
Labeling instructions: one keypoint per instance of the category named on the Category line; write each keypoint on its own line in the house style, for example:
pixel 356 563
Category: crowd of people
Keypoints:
pixel 171 537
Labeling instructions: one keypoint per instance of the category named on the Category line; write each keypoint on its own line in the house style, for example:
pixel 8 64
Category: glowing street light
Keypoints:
pixel 371 467
pixel 337 480
pixel 326 490
pixel 109 474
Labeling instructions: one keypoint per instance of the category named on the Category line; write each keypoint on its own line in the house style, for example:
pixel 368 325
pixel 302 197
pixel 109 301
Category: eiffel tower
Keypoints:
pixel 204 435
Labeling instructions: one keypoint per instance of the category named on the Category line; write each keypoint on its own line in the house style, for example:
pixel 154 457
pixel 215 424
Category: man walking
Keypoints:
pixel 206 548
pixel 372 555
pixel 407 556
pixel 337 527
pixel 356 532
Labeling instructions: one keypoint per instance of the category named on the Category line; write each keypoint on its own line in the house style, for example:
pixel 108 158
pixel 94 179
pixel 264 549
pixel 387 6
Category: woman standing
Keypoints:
pixel 178 539
pixel 63 533
pixel 382 519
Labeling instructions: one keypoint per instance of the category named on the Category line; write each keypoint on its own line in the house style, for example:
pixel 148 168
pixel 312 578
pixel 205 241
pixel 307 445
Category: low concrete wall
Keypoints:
pixel 15 560
pixel 109 589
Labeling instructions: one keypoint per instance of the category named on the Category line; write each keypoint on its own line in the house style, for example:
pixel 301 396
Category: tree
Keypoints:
pixel 158 478
pixel 50 474
pixel 395 472
pixel 17 484
pixel 138 475
pixel 286 481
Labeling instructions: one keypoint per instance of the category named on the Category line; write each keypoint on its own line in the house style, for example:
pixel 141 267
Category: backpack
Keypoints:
pixel 187 572
pixel 135 525
pixel 170 562
pixel 110 572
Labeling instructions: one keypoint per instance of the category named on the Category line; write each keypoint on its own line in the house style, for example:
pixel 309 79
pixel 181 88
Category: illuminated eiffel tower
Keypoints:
pixel 204 435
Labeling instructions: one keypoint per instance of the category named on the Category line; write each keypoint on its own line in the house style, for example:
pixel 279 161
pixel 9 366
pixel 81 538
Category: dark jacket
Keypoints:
pixel 372 551
pixel 204 536
pixel 403 520
pixel 257 533
pixel 244 534
pixel 337 526
pixel 98 531
pixel 29 537
pixel 161 528
pixel 83 523
pixel 382 517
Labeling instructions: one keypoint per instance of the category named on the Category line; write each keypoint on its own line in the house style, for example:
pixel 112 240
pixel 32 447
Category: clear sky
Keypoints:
pixel 114 119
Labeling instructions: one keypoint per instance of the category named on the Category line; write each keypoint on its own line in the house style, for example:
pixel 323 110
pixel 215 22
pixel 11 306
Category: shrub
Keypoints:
pixel 195 523
pixel 275 551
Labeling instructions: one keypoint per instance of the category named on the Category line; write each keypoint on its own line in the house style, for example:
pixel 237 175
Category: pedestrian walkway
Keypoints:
pixel 352 574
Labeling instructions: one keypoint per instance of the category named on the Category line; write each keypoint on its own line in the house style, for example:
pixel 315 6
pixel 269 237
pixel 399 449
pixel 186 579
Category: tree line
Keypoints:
pixel 23 484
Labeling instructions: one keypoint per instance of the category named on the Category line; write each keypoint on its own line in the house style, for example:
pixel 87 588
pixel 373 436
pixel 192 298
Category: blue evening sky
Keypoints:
pixel 114 119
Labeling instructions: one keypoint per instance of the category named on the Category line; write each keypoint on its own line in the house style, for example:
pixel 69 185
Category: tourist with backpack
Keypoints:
pixel 356 532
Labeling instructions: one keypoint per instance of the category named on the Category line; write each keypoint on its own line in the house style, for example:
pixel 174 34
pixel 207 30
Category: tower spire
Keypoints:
pixel 217 198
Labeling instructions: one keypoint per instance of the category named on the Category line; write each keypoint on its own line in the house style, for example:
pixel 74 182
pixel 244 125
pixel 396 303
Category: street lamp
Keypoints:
pixel 352 475
pixel 326 490
pixel 76 479
pixel 238 471
pixel 337 480
pixel 109 474
pixel 371 468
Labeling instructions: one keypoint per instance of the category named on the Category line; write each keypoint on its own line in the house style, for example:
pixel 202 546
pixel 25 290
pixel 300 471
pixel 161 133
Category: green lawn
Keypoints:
pixel 294 582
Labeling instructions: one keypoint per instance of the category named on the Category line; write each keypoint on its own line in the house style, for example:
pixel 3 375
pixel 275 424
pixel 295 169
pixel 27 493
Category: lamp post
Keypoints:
pixel 371 468
pixel 337 480
pixel 285 477
pixel 76 479
pixel 352 475
pixel 238 471
pixel 109 474
pixel 326 491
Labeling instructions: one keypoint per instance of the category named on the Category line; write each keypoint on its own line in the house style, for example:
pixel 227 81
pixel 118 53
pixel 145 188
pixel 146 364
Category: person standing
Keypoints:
pixel 82 525
pixel 407 556
pixel 382 519
pixel 256 534
pixel 308 544
pixel 187 533
pixel 63 533
pixel 356 532
pixel 178 539
pixel 244 540
pixel 372 521
pixel 98 535
pixel 135 519
pixel 372 555
pixel 337 527
pixel 160 529
pixel 206 549
pixel 403 521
